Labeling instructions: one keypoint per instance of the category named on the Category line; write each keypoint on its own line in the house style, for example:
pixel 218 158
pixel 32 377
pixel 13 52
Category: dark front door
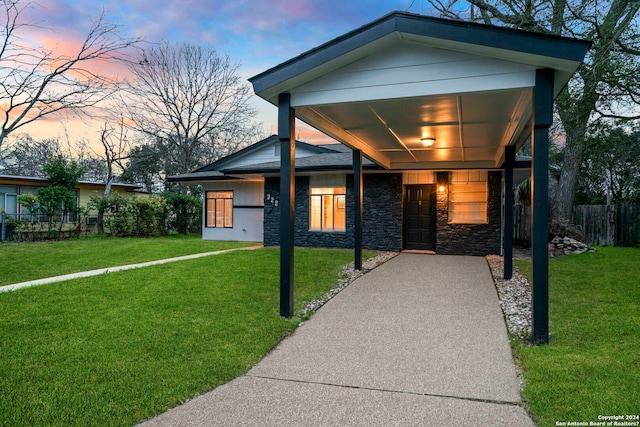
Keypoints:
pixel 420 217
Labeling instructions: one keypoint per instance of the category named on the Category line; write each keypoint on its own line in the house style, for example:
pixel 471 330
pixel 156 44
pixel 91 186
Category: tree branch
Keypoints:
pixel 41 83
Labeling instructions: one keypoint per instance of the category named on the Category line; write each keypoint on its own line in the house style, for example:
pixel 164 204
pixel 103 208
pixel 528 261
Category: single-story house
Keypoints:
pixel 448 212
pixel 440 107
pixel 12 186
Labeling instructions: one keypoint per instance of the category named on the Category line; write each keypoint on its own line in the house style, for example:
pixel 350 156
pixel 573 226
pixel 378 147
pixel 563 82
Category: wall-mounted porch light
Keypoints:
pixel 442 179
pixel 428 141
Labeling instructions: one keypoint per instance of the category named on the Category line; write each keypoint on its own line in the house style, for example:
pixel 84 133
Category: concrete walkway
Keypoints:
pixel 116 268
pixel 418 341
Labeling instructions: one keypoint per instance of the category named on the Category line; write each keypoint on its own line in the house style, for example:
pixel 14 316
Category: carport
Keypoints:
pixel 412 92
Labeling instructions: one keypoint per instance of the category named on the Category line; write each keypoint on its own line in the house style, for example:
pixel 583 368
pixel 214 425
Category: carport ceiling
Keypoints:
pixel 469 129
pixel 385 87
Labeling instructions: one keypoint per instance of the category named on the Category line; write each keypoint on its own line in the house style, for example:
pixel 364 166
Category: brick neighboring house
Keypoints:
pixel 448 212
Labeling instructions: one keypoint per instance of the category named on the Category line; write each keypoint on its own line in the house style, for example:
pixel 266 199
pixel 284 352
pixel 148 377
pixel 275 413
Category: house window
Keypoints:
pixel 220 209
pixel 468 194
pixel 327 203
pixel 72 214
pixel 9 200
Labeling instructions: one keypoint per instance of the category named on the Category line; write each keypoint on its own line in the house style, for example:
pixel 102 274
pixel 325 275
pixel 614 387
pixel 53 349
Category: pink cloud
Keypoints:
pixel 65 46
pixel 258 34
pixel 313 136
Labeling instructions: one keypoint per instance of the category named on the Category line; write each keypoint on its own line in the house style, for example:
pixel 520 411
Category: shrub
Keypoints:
pixel 136 215
pixel 149 214
pixel 119 218
pixel 185 212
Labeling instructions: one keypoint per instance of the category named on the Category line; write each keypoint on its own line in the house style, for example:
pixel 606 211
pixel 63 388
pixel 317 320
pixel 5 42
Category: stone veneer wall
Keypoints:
pixel 382 212
pixel 470 239
pixel 382 216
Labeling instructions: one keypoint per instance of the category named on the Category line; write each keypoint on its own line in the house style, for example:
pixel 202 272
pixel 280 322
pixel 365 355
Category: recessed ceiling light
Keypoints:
pixel 428 142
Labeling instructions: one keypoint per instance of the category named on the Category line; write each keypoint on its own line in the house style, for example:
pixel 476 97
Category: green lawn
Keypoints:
pixel 591 366
pixel 118 348
pixel 20 262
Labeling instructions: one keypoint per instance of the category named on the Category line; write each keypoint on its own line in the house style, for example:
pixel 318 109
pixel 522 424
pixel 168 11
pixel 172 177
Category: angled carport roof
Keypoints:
pixel 384 87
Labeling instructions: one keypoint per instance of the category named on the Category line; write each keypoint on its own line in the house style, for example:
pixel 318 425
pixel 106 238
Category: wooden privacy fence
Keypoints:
pixel 628 220
pixel 617 224
pixel 522 226
pixel 597 223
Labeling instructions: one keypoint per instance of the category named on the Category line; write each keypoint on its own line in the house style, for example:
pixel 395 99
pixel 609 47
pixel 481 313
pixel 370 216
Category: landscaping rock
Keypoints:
pixel 568 246
pixel 515 298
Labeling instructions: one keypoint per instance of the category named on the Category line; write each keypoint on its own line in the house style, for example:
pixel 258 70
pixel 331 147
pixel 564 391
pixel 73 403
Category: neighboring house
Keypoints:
pixel 12 186
pixel 449 212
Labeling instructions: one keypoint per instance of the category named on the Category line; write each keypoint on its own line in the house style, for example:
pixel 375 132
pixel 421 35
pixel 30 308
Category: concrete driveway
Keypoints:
pixel 420 340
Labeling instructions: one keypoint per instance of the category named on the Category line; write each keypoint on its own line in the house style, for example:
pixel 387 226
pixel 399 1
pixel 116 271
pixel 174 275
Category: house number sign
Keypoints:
pixel 270 199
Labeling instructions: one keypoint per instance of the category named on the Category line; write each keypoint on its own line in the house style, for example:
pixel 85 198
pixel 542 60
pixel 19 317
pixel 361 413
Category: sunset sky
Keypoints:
pixel 258 34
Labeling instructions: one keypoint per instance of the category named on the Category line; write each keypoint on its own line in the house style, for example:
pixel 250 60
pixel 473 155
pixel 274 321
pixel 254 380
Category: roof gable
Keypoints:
pixel 408 69
pixel 260 152
pixel 339 160
pixel 540 50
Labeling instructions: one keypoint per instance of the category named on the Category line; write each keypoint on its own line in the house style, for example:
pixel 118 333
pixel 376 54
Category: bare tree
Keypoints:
pixel 186 98
pixel 25 156
pixel 605 86
pixel 221 144
pixel 82 151
pixel 115 150
pixel 38 82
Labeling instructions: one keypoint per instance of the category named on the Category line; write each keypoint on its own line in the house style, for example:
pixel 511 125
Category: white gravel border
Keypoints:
pixel 515 298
